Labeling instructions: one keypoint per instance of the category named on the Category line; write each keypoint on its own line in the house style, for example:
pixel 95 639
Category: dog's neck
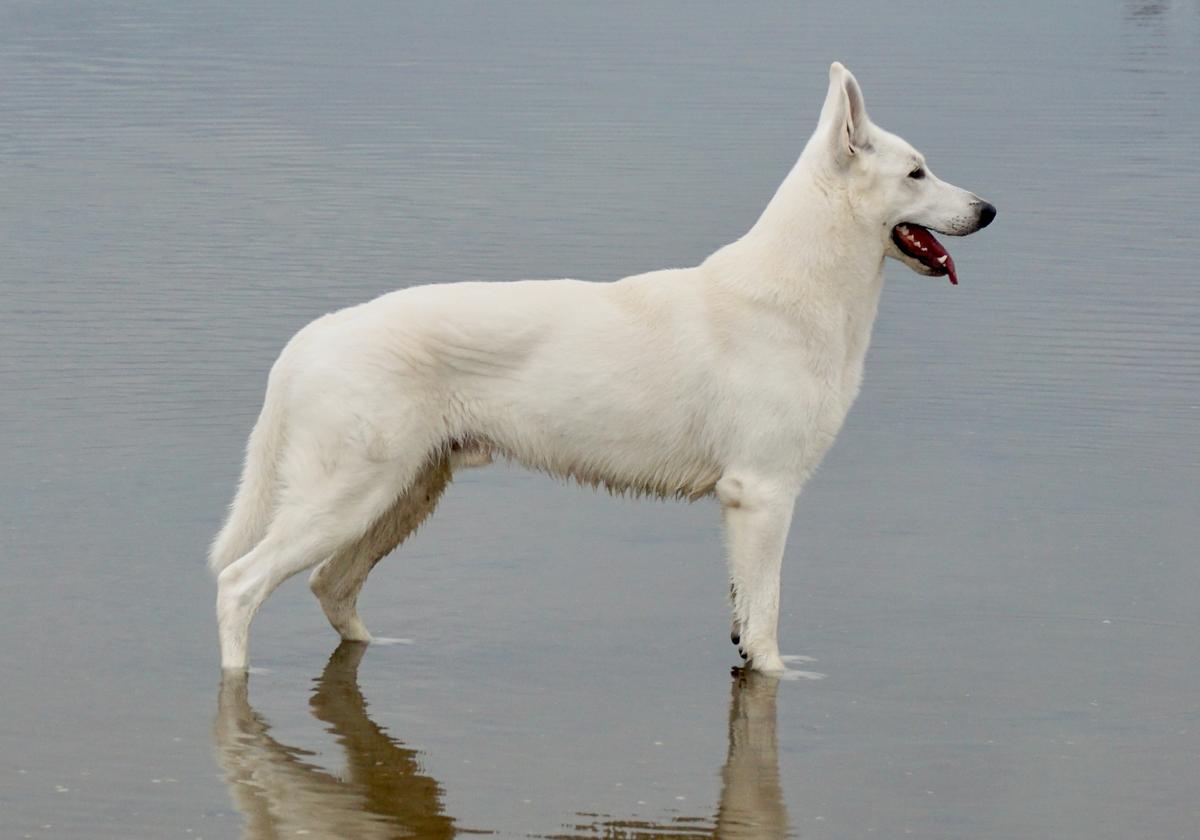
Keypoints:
pixel 811 260
pixel 808 247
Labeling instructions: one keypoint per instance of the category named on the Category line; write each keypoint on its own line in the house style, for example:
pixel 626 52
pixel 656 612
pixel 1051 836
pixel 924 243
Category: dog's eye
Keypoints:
pixel 917 173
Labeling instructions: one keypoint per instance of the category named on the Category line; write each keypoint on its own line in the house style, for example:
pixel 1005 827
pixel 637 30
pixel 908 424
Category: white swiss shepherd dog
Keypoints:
pixel 731 379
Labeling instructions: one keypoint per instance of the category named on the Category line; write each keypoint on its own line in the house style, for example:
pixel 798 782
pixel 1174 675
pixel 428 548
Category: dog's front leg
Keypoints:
pixel 757 515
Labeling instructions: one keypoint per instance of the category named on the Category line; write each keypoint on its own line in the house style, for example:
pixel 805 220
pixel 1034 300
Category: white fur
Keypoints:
pixel 730 378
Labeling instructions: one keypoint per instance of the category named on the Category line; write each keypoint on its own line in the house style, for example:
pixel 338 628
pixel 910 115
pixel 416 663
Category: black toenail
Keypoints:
pixel 742 653
pixel 735 638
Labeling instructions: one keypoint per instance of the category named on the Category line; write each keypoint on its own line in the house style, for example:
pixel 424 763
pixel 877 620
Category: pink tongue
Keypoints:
pixel 949 266
pixel 929 251
pixel 950 270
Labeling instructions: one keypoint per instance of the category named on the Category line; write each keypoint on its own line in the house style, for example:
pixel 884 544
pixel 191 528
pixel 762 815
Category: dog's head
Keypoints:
pixel 888 183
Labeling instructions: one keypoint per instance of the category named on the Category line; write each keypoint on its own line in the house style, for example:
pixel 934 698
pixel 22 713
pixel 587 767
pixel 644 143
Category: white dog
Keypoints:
pixel 730 378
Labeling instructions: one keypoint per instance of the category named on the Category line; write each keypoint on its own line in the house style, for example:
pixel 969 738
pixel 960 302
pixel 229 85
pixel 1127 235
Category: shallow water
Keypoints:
pixel 995 570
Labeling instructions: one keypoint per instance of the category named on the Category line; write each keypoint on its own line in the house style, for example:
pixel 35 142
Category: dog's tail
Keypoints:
pixel 254 503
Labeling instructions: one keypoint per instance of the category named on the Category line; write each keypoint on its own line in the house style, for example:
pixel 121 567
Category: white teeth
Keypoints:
pixel 942 260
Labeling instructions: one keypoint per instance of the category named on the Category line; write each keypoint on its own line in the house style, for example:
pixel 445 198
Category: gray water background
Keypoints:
pixel 996 568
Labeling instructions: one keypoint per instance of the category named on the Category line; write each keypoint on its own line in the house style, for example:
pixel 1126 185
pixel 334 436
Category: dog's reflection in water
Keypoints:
pixel 383 792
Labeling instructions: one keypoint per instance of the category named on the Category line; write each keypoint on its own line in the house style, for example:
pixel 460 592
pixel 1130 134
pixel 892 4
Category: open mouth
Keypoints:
pixel 917 242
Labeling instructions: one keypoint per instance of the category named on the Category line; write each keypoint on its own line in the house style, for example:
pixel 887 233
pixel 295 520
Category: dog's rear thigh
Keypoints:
pixel 337 581
pixel 312 523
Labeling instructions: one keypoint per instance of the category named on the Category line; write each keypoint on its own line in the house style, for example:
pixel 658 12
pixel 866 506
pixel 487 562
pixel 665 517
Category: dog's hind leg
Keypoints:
pixel 317 517
pixel 757 516
pixel 337 581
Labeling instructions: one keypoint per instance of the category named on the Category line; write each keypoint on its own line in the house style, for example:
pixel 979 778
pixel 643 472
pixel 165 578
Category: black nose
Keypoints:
pixel 986 213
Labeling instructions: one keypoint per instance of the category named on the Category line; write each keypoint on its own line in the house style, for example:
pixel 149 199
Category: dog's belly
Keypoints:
pixel 623 438
pixel 679 478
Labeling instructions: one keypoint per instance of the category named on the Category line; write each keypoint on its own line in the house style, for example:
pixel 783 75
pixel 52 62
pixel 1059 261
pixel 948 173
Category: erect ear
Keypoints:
pixel 844 119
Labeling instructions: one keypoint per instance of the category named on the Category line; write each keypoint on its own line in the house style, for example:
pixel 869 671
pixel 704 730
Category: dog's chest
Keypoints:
pixel 835 356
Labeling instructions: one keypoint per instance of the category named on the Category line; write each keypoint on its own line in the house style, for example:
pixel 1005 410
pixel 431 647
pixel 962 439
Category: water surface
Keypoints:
pixel 995 570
